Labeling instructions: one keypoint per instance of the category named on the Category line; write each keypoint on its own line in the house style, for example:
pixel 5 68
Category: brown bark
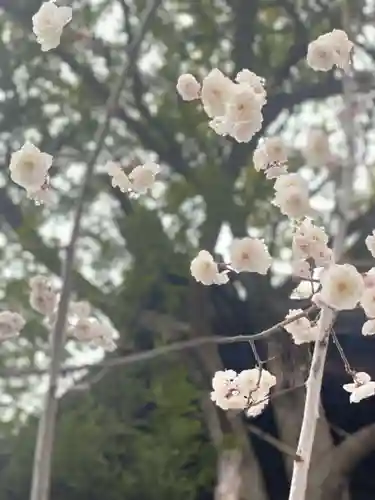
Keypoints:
pixel 336 468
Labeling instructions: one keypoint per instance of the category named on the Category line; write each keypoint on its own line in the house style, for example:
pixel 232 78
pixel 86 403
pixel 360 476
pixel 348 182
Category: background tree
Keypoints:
pixel 150 430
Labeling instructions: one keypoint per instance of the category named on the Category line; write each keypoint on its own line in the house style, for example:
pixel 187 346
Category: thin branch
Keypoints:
pixel 349 370
pixel 298 487
pixel 163 350
pixel 44 447
pixel 276 443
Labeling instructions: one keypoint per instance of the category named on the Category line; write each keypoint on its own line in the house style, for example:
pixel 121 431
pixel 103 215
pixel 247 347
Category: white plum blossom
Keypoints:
pixel 301 268
pixel 250 254
pixel 243 105
pixel 142 177
pixel 369 278
pixel 301 329
pixel 333 48
pixel 220 125
pixel 275 170
pixel 284 182
pixel 102 336
pixel 215 93
pixel 322 255
pixel 205 270
pixel 256 83
pixel 29 167
pixel 244 131
pixel 48 24
pixel 292 199
pixel 43 297
pixel 368 327
pixel 317 300
pixel 272 157
pixel 368 302
pixel 81 309
pixel 91 331
pixel 320 55
pixel 188 87
pixel 342 286
pixel 245 390
pixel 341 45
pixel 227 392
pixel 317 150
pixel 119 178
pixel 11 324
pixel 41 196
pixel 82 330
pixel 361 388
pixel 310 241
pixel 370 243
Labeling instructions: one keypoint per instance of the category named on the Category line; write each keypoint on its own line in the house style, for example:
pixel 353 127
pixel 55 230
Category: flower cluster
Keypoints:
pixel 235 107
pixel 328 50
pixel 45 300
pixel 48 24
pixel 248 390
pixel 246 255
pixel 140 179
pixel 309 245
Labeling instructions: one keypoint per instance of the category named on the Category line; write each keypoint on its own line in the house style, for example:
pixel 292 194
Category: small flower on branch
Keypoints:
pixel 361 388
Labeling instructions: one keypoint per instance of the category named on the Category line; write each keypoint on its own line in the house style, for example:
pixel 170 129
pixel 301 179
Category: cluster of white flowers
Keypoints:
pixel 328 50
pixel 301 329
pixel 235 108
pixel 11 324
pixel 272 157
pixel 246 255
pixel 248 390
pixel 310 243
pixel 45 300
pixel 29 169
pixel 292 196
pixel 317 151
pixel 48 24
pixel 140 179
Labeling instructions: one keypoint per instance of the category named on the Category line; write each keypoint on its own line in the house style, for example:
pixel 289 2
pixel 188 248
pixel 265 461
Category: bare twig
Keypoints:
pixel 276 443
pixel 44 446
pixel 349 370
pixel 162 351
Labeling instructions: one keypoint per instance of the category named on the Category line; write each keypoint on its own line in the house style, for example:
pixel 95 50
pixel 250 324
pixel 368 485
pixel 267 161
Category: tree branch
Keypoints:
pixel 338 465
pixel 164 350
pixel 44 447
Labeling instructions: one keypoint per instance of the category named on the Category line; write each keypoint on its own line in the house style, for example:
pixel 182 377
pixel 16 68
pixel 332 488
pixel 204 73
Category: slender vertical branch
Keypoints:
pixel 314 382
pixel 44 446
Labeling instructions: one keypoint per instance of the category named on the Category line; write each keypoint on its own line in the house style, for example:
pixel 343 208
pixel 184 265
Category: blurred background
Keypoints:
pixel 148 431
